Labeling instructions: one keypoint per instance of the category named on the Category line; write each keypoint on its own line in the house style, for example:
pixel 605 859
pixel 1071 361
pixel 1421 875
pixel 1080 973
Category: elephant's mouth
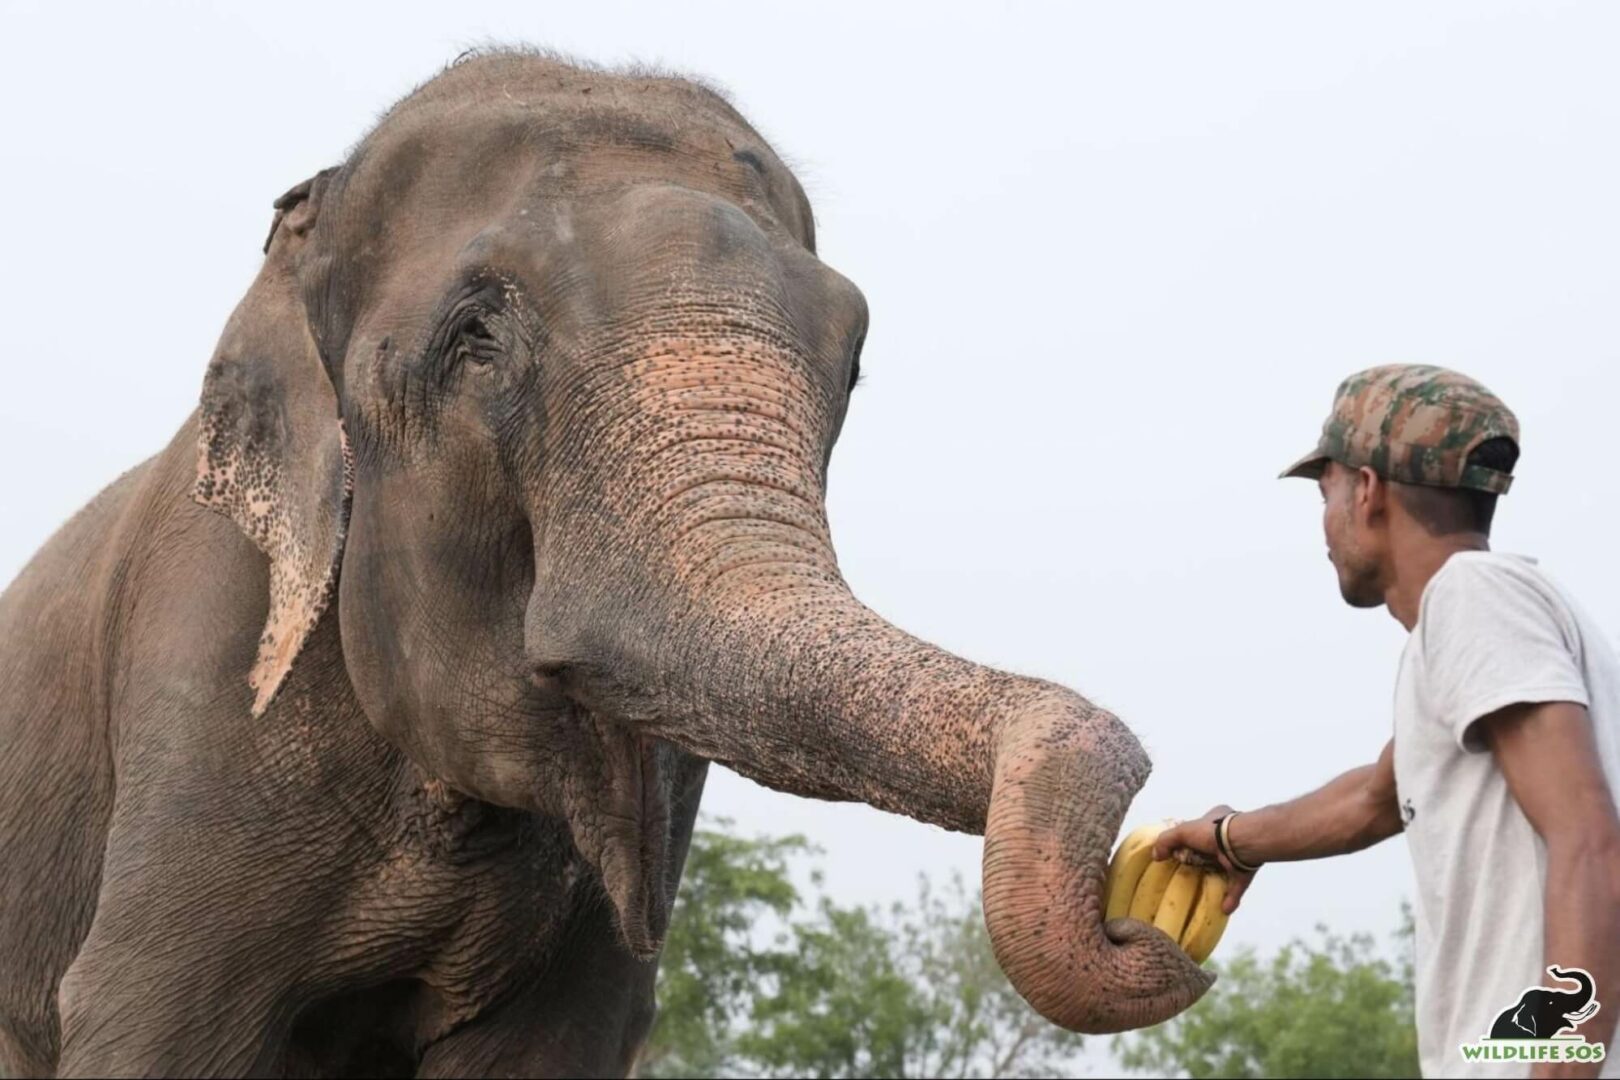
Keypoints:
pixel 619 808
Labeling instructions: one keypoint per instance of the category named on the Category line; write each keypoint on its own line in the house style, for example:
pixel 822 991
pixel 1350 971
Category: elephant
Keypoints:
pixel 362 729
pixel 1542 1012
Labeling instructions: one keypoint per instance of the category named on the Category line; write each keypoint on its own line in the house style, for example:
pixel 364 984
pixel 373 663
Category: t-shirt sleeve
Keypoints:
pixel 1493 638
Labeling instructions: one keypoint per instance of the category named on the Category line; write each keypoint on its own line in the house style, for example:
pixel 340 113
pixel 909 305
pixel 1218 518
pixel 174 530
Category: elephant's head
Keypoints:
pixel 1557 1010
pixel 589 372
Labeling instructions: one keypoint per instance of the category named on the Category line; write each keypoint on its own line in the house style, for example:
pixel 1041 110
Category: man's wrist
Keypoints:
pixel 1242 857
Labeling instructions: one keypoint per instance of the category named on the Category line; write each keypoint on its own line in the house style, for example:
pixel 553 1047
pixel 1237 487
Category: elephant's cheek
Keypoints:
pixel 383 664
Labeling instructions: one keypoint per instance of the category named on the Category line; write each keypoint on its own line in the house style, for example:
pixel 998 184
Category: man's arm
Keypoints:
pixel 1346 814
pixel 1549 757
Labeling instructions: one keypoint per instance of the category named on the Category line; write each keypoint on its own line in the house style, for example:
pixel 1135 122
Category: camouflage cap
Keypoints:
pixel 1413 424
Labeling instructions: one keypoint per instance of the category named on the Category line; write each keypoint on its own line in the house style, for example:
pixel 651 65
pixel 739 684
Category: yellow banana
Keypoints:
pixel 1150 890
pixel 1182 900
pixel 1208 921
pixel 1178 900
pixel 1133 857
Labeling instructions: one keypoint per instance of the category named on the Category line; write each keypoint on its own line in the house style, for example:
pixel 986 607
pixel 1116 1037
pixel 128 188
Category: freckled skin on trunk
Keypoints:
pixel 362 730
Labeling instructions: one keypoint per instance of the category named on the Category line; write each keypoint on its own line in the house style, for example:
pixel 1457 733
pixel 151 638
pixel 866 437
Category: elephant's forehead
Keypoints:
pixel 513 118
pixel 435 169
pixel 527 80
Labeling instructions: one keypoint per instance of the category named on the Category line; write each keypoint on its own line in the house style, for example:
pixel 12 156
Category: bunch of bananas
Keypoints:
pixel 1179 898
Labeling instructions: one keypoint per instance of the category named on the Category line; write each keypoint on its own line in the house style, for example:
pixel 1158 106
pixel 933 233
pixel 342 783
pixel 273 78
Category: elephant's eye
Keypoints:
pixel 475 342
pixel 855 363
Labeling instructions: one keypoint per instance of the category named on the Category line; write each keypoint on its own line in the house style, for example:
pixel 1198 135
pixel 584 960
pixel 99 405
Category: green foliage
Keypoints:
pixel 835 991
pixel 1333 1008
pixel 760 980
pixel 712 966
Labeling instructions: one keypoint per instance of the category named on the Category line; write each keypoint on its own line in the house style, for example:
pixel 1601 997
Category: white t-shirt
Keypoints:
pixel 1492 631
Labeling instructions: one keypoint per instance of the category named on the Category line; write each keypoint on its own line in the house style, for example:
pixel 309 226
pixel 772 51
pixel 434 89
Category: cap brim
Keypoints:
pixel 1309 467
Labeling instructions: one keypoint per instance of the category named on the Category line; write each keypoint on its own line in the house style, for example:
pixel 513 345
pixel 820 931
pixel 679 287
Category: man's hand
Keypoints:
pixel 1346 814
pixel 1199 836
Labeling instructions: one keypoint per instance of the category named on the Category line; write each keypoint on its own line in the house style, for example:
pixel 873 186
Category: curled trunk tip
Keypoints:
pixel 1065 775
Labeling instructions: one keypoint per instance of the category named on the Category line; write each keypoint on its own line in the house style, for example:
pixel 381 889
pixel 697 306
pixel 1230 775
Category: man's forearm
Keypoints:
pixel 1346 814
pixel 1583 930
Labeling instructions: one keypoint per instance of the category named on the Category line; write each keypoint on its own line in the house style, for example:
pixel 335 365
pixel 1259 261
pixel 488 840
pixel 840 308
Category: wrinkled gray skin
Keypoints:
pixel 375 746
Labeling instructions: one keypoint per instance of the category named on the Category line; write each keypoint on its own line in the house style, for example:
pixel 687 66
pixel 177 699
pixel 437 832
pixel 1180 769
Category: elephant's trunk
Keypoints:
pixel 807 690
pixel 1579 998
pixel 1064 779
pixel 747 648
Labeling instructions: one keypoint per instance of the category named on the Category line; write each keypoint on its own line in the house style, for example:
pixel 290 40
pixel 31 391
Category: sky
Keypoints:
pixel 1117 258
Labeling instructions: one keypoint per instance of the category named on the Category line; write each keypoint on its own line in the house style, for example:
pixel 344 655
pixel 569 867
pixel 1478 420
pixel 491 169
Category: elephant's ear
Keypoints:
pixel 271 453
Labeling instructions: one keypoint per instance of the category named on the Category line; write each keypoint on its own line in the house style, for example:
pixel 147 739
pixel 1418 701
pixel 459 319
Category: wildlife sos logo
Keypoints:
pixel 1541 1025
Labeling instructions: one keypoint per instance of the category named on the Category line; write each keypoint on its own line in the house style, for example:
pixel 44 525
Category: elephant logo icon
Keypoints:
pixel 1541 1025
pixel 1542 1012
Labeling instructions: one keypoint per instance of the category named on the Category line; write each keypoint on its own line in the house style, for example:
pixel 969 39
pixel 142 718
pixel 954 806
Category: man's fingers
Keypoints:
pixel 1239 885
pixel 1167 842
pixel 1196 835
pixel 1173 839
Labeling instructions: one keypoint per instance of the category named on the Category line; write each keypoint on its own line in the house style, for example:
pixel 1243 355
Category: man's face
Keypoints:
pixel 1354 546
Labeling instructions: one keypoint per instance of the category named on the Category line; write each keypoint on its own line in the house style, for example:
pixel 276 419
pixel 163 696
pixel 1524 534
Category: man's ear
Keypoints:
pixel 1371 491
pixel 271 453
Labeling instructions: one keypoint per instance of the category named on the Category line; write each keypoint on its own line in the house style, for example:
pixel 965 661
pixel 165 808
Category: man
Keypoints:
pixel 1506 749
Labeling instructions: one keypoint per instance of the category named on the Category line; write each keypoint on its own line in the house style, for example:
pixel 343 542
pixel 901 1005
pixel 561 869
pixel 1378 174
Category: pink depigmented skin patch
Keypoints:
pixel 244 483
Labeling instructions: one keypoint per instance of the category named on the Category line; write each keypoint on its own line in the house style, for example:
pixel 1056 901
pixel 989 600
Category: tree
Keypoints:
pixel 759 980
pixel 836 991
pixel 1335 1008
pixel 712 965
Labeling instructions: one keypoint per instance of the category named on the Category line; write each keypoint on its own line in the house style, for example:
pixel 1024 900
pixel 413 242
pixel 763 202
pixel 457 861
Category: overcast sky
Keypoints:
pixel 1118 257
